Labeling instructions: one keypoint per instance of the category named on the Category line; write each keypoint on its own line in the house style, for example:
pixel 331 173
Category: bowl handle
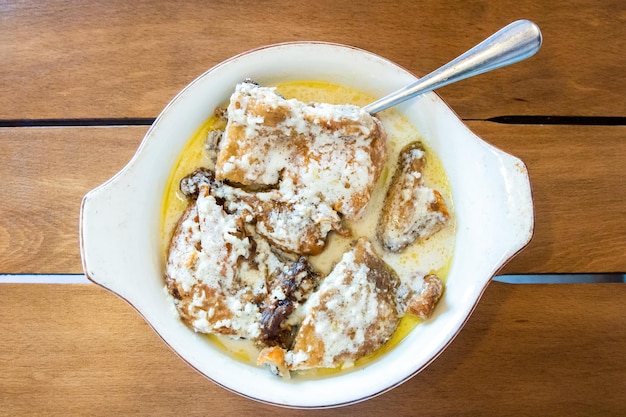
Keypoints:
pixel 111 220
pixel 519 227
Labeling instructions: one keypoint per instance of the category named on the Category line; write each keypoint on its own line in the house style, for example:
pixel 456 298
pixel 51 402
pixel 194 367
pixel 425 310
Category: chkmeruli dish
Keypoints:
pixel 492 211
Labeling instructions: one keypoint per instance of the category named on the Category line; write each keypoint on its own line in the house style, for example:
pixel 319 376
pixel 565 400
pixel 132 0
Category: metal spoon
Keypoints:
pixel 513 43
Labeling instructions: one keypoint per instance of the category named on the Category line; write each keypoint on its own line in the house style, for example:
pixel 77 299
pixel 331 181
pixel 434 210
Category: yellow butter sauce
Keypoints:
pixel 432 255
pixel 192 157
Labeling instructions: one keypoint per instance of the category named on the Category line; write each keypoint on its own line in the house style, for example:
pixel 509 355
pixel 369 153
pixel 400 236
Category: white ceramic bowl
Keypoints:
pixel 120 242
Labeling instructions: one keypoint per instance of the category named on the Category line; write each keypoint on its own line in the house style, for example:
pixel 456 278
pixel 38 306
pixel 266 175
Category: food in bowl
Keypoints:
pixel 250 257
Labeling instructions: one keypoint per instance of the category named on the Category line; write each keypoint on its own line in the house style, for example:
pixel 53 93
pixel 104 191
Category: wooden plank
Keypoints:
pixel 78 59
pixel 577 174
pixel 578 179
pixel 46 172
pixel 79 350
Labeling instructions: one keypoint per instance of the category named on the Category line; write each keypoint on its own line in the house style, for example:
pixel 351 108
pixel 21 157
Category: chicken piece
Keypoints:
pixel 352 314
pixel 220 273
pixel 424 294
pixel 295 225
pixel 291 222
pixel 411 210
pixel 206 266
pixel 333 153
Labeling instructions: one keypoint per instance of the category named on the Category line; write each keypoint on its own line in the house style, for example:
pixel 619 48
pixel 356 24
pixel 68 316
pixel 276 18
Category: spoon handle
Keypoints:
pixel 513 43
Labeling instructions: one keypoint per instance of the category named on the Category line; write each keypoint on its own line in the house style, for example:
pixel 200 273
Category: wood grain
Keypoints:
pixel 45 174
pixel 578 180
pixel 536 346
pixel 84 59
pixel 577 174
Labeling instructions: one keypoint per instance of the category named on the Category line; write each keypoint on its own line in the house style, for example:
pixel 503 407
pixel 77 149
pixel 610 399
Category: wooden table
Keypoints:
pixel 81 81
